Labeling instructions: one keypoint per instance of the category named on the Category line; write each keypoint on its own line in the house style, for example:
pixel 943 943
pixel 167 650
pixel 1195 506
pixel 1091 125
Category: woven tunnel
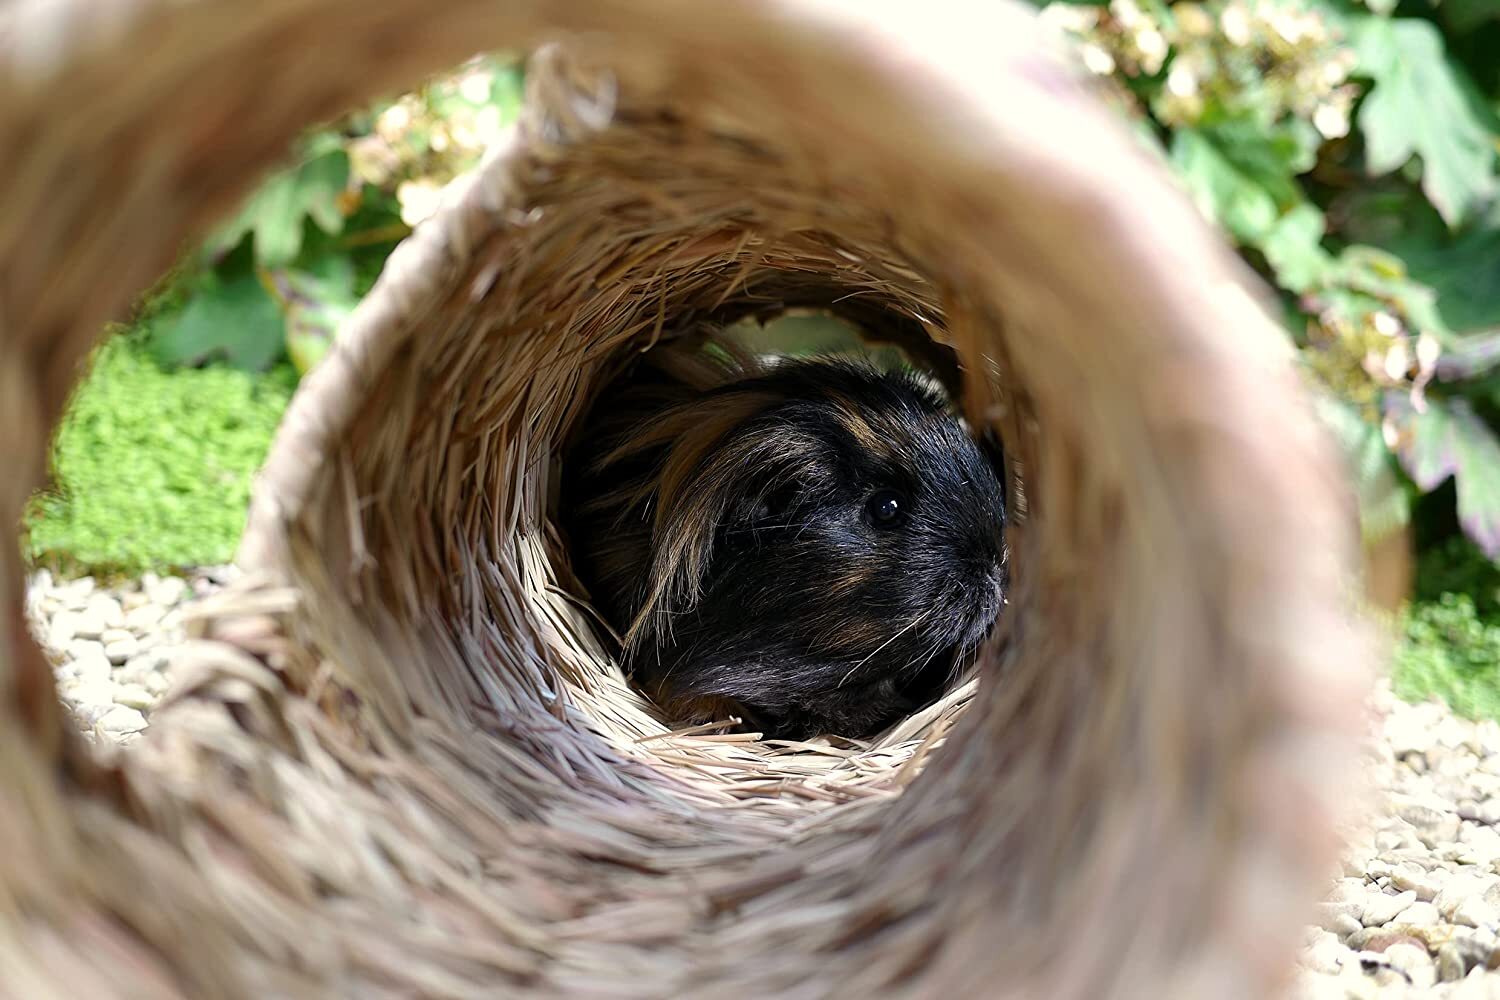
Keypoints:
pixel 402 763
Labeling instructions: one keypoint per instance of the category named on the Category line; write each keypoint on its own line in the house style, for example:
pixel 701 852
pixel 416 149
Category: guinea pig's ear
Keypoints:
pixel 767 503
pixel 704 481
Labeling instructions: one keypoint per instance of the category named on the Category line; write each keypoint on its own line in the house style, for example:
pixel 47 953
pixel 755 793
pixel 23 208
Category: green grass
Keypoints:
pixel 1448 651
pixel 1450 646
pixel 152 468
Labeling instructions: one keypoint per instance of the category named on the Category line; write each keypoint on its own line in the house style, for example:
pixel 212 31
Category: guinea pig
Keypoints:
pixel 815 546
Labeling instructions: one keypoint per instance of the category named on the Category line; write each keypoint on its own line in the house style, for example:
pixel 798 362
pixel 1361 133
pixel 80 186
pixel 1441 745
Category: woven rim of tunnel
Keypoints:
pixel 309 747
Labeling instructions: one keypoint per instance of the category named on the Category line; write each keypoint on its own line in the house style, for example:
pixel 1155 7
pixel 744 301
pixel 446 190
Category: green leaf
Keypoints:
pixel 1384 506
pixel 315 307
pixel 234 320
pixel 1243 173
pixel 1273 155
pixel 1469 15
pixel 1223 191
pixel 1294 249
pixel 223 240
pixel 277 222
pixel 1464 271
pixel 1474 356
pixel 1372 272
pixel 275 213
pixel 1421 106
pixel 1462 268
pixel 1449 439
pixel 320 181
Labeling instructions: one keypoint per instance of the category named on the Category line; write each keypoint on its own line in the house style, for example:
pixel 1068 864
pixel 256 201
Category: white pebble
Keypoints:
pixel 89 624
pixel 1418 914
pixel 77 592
pixel 91 692
pixel 1392 840
pixel 122 719
pixel 122 649
pixel 88 713
pixel 1460 889
pixel 1475 912
pixel 1450 964
pixel 1334 914
pixel 1325 954
pixel 1422 884
pixel 1407 731
pixel 134 696
pixel 1487 737
pixel 1381 909
pixel 107 609
pixel 1475 986
pixel 139 667
pixel 166 591
pixel 61 630
pixel 91 664
pixel 1414 962
pixel 1483 840
pixel 147 616
pixel 1345 925
pixel 1431 821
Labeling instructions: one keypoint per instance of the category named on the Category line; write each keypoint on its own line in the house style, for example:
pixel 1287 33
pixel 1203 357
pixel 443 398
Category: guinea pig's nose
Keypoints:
pixel 995 589
pixel 985 553
pixel 986 577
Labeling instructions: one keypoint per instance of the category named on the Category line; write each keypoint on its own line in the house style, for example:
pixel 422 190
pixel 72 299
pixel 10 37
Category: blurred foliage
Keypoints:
pixel 152 465
pixel 1455 566
pixel 811 332
pixel 277 279
pixel 1350 151
pixel 1449 634
pixel 1450 651
pixel 151 468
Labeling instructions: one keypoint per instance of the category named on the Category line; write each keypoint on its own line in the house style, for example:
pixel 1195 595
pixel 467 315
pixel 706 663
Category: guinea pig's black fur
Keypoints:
pixel 815 546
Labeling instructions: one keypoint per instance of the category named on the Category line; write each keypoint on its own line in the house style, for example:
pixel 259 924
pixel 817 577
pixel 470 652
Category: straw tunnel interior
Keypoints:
pixel 637 234
pixel 429 559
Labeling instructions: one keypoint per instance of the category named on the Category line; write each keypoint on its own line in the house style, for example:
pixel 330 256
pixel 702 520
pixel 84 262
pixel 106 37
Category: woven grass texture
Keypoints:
pixel 403 764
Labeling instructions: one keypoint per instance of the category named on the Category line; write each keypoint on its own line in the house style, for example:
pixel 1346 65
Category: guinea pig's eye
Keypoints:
pixel 886 508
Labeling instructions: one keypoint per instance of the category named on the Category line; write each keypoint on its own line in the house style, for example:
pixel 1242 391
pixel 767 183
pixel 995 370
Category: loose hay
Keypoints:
pixel 401 763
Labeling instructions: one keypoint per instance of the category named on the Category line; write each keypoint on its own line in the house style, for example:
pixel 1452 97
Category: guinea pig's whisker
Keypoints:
pixel 904 629
pixel 931 654
pixel 771 527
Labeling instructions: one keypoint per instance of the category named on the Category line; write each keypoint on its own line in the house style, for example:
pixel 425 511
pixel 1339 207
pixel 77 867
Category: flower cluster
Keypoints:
pixel 1361 355
pixel 1266 60
pixel 423 140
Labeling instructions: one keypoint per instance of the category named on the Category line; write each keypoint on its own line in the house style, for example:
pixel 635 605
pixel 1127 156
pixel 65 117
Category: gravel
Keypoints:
pixel 111 646
pixel 1416 912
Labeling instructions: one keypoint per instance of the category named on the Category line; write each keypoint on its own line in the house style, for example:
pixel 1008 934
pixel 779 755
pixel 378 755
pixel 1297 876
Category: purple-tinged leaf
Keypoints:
pixel 1449 439
pixel 1471 356
pixel 315 306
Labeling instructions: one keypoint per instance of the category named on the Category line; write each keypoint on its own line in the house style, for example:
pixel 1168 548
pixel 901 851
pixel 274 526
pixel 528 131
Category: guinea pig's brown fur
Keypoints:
pixel 814 545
